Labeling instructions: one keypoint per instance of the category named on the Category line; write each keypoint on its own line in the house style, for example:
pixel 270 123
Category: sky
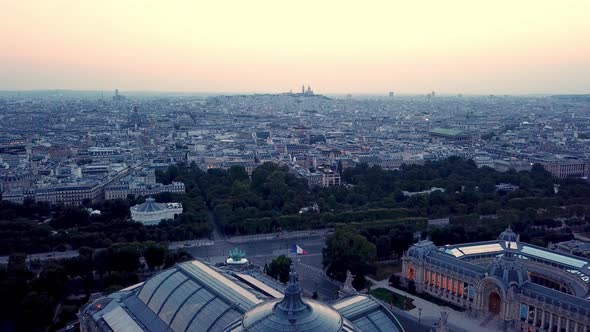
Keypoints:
pixel 364 47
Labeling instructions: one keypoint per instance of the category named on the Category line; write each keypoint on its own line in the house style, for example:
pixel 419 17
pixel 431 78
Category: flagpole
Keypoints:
pixel 294 256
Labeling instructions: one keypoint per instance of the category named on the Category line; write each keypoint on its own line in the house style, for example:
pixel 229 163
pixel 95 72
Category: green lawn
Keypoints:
pixel 385 271
pixel 387 296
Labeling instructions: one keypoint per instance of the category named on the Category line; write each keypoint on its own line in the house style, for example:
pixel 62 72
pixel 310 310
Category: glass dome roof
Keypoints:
pixel 292 313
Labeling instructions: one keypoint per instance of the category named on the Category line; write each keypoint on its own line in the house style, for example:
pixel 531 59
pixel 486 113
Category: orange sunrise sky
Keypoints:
pixel 469 47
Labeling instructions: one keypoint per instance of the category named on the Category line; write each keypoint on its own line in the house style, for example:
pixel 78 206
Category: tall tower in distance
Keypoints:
pixel 306 92
pixel 117 96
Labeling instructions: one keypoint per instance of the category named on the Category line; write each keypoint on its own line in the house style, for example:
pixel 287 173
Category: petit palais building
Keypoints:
pixel 516 286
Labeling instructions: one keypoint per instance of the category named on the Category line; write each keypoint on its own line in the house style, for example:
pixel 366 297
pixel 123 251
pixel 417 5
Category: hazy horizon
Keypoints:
pixel 370 48
pixel 111 92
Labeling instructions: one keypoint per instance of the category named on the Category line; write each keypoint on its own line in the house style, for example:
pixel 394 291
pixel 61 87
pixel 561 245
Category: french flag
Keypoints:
pixel 298 250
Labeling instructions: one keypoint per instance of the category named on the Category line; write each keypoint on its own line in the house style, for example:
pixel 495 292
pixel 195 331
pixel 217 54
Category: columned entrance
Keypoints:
pixel 494 303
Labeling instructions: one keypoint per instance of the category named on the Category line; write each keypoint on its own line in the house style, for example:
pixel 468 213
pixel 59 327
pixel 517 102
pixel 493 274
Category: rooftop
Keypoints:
pixel 195 296
pixel 446 131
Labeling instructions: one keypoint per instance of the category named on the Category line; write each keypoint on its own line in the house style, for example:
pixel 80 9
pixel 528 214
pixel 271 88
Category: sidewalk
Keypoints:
pixel 457 321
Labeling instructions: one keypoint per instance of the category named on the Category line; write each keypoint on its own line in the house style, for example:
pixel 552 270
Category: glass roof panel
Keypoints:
pixel 260 285
pixel 382 322
pixel 208 315
pixel 555 257
pixel 222 285
pixel 167 287
pixel 481 249
pixel 118 320
pixel 176 299
pixel 359 308
pixel 455 252
pixel 364 324
pixel 150 286
pixel 131 287
pixel 348 302
pixel 224 321
pixel 190 308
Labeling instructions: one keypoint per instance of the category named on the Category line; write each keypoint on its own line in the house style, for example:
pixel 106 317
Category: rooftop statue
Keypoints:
pixel 236 256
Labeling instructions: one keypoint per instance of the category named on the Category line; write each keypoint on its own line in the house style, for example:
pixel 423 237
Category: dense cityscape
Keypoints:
pixel 402 208
pixel 309 166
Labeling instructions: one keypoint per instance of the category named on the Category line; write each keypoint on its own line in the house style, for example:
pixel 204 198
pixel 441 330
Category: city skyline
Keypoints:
pixel 464 47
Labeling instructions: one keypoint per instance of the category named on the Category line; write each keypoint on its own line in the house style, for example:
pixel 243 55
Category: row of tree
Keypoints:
pixel 34 292
pixel 37 227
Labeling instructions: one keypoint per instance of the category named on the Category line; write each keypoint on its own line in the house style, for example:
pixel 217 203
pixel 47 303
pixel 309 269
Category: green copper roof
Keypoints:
pixel 447 131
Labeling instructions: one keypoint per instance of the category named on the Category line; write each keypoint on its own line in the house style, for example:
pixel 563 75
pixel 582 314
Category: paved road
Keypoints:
pixel 262 251
pixel 217 233
pixel 224 245
pixel 457 321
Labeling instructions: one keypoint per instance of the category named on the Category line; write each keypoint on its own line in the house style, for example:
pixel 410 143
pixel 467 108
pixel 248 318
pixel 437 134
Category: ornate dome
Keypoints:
pixel 508 269
pixel 420 249
pixel 508 235
pixel 292 313
pixel 150 205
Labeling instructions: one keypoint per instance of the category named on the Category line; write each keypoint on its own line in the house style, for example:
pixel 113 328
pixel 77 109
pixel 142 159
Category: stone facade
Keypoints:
pixel 524 287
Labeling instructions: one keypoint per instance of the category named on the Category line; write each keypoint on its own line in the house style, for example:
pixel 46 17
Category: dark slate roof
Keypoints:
pixel 508 269
pixel 195 296
pixel 292 313
pixel 555 297
pixel 508 235
pixel 452 263
pixel 150 205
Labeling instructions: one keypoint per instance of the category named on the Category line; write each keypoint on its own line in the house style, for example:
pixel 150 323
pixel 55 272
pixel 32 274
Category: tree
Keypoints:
pixel 154 255
pixel 69 217
pixel 177 257
pixel 101 261
pixel 383 247
pixel 53 279
pixel 237 173
pixel 17 264
pixel 117 258
pixel 280 267
pixel 401 238
pixel 394 280
pixel 124 258
pixel 36 312
pixel 348 250
pixel 359 282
